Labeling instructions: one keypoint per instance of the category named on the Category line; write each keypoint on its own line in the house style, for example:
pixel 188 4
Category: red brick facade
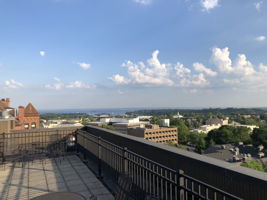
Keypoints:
pixel 4 103
pixel 28 118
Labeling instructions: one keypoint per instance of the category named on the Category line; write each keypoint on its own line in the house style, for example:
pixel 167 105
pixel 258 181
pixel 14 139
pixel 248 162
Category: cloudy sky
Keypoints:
pixel 134 53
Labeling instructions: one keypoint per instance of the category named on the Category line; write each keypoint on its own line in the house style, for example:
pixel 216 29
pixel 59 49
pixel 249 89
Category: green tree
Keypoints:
pixel 223 135
pixel 183 130
pixel 155 120
pixel 84 121
pixel 241 134
pixel 193 138
pixel 229 134
pixel 200 144
pixel 108 127
pixel 209 142
pixel 254 164
pixel 259 136
pixel 171 143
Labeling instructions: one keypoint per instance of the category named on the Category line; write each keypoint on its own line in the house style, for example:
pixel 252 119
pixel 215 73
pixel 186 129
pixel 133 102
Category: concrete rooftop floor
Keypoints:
pixel 38 177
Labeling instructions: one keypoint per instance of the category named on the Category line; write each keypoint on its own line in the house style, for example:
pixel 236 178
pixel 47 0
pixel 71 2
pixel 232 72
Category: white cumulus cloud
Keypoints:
pixel 55 86
pixel 12 84
pixel 220 58
pixel 152 73
pixel 261 38
pixel 144 2
pixel 58 85
pixel 243 66
pixel 79 84
pixel 84 65
pixel 118 79
pixel 156 73
pixel 263 68
pixel 209 4
pixel 238 72
pixel 201 68
pixel 258 5
pixel 42 53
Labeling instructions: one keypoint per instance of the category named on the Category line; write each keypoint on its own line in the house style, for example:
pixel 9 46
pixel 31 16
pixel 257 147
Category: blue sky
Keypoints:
pixel 133 53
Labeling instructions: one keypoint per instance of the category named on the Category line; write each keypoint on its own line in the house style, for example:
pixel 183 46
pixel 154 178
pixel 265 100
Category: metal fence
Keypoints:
pixel 31 141
pixel 149 179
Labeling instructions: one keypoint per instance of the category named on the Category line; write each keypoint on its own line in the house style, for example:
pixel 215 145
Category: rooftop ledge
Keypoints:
pixel 202 158
pixel 235 179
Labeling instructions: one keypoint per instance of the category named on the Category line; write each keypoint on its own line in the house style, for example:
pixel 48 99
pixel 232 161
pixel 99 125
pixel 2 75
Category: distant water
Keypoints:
pixel 117 111
pixel 111 111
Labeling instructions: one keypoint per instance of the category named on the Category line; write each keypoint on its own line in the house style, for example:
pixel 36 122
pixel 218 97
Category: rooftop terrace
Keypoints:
pixel 29 179
pixel 136 168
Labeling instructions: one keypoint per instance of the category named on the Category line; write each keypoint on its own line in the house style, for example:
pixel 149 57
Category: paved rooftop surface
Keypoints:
pixel 63 174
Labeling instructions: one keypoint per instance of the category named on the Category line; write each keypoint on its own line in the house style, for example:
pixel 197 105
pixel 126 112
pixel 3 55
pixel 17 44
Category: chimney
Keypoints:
pixel 21 112
pixel 8 102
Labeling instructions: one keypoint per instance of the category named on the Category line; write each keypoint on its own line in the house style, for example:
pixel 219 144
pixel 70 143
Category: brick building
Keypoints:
pixel 28 118
pixel 23 118
pixel 4 103
pixel 155 133
pixel 7 116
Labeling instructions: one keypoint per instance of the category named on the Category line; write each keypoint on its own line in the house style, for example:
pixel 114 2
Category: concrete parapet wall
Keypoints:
pixel 237 180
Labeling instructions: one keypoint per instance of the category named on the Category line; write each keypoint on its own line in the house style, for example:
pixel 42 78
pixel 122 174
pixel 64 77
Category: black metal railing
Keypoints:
pixel 149 179
pixel 33 142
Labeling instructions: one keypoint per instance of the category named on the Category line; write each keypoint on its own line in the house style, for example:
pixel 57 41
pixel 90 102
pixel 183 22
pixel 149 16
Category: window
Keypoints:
pixel 33 125
pixel 26 126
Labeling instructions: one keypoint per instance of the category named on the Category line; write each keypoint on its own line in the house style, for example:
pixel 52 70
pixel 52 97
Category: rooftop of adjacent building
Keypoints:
pixel 233 152
pixel 29 111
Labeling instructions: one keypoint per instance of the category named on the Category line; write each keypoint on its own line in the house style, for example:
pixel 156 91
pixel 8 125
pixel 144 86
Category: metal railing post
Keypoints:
pixel 99 158
pixel 2 146
pixel 125 161
pixel 76 148
pixel 181 184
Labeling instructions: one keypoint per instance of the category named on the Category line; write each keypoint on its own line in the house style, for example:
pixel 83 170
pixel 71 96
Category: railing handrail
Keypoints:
pixel 139 160
pixel 209 186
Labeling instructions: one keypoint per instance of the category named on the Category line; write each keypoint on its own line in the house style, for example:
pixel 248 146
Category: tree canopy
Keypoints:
pixel 259 136
pixel 254 164
pixel 229 134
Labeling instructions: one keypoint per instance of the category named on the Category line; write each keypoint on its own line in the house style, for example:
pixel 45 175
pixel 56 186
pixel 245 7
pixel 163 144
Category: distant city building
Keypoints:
pixel 211 124
pixel 61 124
pixel 165 122
pixel 207 128
pixel 105 120
pixel 155 133
pixel 178 116
pixel 120 124
pixel 120 120
pixel 250 127
pixel 124 127
pixel 246 116
pixel 103 116
pixel 216 121
pixel 145 117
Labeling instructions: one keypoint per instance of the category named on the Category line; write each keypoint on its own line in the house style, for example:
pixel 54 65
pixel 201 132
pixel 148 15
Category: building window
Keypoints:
pixel 26 126
pixel 33 125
